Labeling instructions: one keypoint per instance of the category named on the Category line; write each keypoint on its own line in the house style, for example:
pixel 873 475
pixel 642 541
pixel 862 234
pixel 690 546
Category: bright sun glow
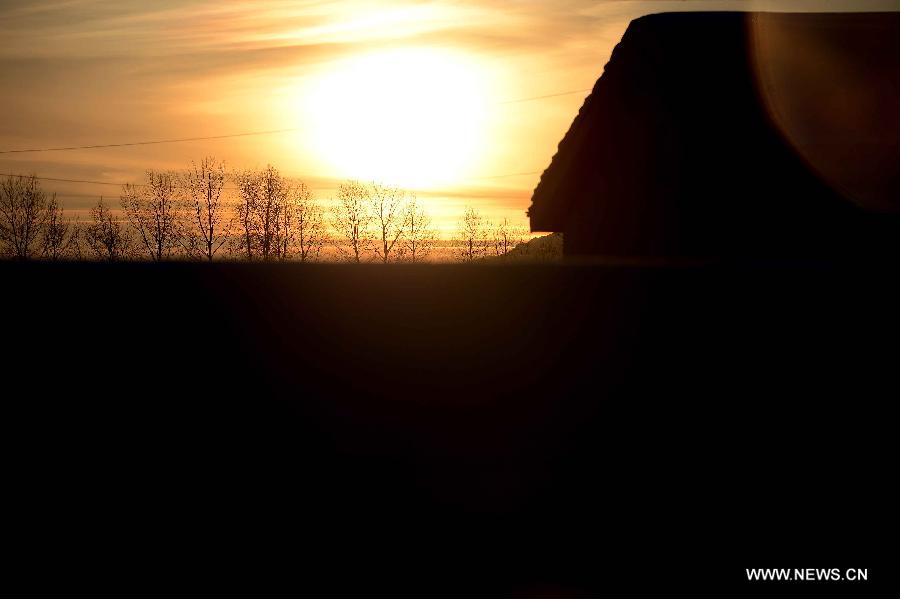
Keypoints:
pixel 412 117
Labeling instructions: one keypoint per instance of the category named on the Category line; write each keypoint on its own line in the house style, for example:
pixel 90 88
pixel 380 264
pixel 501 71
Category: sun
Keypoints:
pixel 411 117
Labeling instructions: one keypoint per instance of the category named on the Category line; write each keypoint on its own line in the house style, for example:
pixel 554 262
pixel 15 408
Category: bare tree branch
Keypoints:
pixel 23 212
pixel 105 235
pixel 472 236
pixel 203 186
pixel 351 221
pixel 261 212
pixel 505 237
pixel 60 236
pixel 420 238
pixel 153 212
pixel 302 230
pixel 391 220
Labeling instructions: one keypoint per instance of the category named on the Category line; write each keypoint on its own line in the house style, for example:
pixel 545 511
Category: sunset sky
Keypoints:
pixel 447 98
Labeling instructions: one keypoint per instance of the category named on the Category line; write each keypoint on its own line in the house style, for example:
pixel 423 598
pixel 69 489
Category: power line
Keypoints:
pixel 233 135
pixel 64 180
pixel 114 184
pixel 87 181
pixel 569 93
pixel 148 143
pixel 509 175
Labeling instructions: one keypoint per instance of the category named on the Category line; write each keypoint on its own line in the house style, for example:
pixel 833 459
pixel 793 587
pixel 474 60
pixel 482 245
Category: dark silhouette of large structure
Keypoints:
pixel 735 135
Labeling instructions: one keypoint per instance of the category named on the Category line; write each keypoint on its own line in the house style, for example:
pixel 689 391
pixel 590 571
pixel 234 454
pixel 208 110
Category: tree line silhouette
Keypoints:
pixel 262 216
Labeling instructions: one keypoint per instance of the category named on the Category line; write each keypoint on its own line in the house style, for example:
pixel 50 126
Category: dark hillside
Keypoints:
pixel 576 426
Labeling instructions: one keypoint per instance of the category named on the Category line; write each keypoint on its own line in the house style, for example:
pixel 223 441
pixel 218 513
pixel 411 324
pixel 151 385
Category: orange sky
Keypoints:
pixel 435 96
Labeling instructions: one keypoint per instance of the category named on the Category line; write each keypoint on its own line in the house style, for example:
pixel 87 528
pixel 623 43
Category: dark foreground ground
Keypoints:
pixel 496 430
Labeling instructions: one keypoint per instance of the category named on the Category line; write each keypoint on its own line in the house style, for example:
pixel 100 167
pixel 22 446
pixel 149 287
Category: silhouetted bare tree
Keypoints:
pixel 472 236
pixel 60 235
pixel 352 220
pixel 420 238
pixel 301 231
pixel 23 212
pixel 261 212
pixel 505 237
pixel 270 211
pixel 106 236
pixel 203 186
pixel 246 209
pixel 390 218
pixel 311 233
pixel 152 210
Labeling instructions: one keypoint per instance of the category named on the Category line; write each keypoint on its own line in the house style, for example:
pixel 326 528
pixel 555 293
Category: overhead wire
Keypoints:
pixel 230 135
pixel 235 135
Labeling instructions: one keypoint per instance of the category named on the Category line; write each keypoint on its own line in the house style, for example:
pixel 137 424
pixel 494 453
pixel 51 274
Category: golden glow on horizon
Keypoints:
pixel 413 117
